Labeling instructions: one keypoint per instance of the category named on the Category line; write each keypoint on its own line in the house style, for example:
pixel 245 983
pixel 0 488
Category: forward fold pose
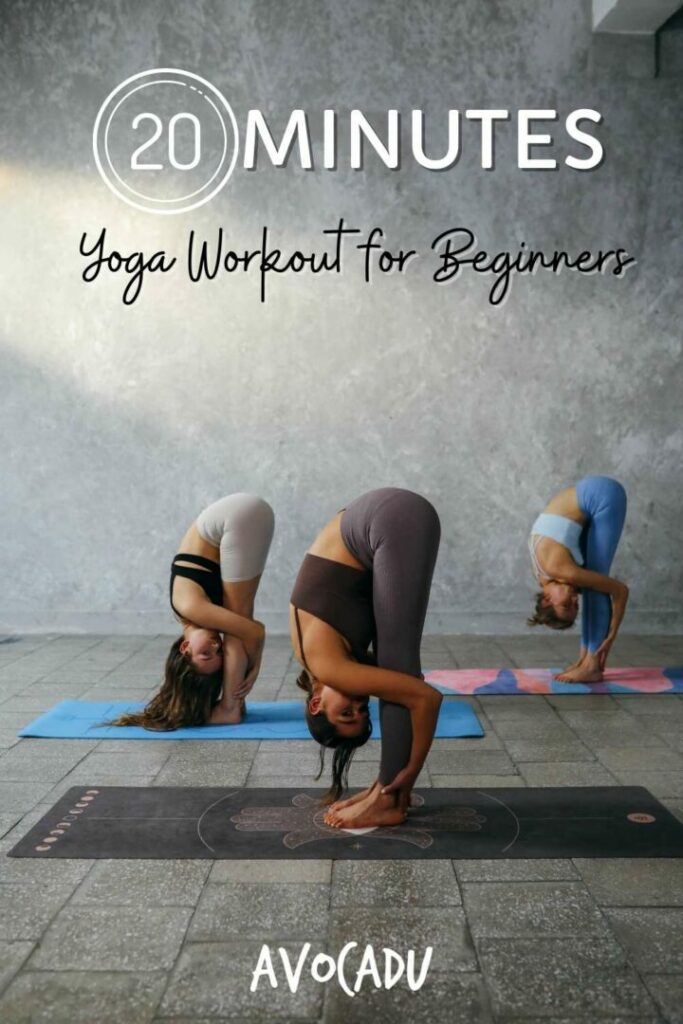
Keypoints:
pixel 366 580
pixel 572 545
pixel 214 579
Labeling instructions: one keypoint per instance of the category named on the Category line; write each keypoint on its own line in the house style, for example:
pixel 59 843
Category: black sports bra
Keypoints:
pixel 339 595
pixel 210 581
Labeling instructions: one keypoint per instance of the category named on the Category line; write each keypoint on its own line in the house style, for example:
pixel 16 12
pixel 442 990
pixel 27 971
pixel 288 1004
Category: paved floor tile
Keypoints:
pixel 67 677
pixel 27 906
pixel 443 999
pixel 8 738
pixel 8 821
pixel 656 882
pixel 394 883
pixel 32 746
pixel 646 706
pixel 130 761
pixel 108 692
pixel 36 767
pixel 360 777
pixel 550 773
pixel 253 1018
pixel 480 743
pixel 667 993
pixel 653 937
pixel 12 956
pixel 590 1019
pixel 477 782
pixel 515 871
pixel 75 997
pixel 607 730
pixel 94 938
pixel 22 796
pixel 582 702
pixel 470 762
pixel 528 750
pixel 186 751
pixel 622 759
pixel 569 976
pixel 305 872
pixel 38 872
pixel 289 764
pixel 214 979
pixel 527 708
pixel 477 653
pixel 40 697
pixel 172 883
pixel 533 728
pixel 212 773
pixel 406 927
pixel 499 910
pixel 269 911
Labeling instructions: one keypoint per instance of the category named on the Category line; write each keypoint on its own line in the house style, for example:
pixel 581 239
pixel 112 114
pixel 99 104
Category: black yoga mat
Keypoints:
pixel 220 823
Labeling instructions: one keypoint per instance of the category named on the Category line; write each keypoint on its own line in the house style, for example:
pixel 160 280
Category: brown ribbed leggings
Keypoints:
pixel 396 534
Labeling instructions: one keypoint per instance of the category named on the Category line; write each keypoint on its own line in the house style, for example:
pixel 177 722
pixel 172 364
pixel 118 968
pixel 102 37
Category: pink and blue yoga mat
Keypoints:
pixel 480 681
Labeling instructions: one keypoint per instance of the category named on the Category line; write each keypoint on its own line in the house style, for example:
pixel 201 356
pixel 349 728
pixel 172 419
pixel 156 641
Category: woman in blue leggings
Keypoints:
pixel 572 545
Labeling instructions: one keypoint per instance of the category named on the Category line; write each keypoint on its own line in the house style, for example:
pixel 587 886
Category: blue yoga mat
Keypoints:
pixel 266 720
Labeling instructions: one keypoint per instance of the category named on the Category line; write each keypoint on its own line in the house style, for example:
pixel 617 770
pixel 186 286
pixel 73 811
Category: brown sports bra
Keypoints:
pixel 339 595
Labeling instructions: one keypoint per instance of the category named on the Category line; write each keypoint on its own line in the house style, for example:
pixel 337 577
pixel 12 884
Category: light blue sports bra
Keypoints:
pixel 565 531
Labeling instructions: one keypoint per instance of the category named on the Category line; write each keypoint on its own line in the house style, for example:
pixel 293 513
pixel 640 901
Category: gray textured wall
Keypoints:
pixel 119 424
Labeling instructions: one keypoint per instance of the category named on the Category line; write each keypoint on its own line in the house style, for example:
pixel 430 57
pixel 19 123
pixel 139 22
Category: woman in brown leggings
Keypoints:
pixel 366 580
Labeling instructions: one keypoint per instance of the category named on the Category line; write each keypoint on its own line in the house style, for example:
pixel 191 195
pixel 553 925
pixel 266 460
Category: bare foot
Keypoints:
pixel 375 810
pixel 570 668
pixel 364 793
pixel 587 671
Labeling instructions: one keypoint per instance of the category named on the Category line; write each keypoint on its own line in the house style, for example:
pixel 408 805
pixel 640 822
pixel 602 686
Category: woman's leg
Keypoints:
pixel 241 526
pixel 228 710
pixel 396 533
pixel 603 500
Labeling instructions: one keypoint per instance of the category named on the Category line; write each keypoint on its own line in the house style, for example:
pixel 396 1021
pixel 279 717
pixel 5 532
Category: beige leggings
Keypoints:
pixel 241 527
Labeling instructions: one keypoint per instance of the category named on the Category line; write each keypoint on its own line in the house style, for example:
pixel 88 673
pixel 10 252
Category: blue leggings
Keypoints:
pixel 603 501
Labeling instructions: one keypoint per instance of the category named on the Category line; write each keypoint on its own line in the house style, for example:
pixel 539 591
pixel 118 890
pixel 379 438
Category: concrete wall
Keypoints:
pixel 120 423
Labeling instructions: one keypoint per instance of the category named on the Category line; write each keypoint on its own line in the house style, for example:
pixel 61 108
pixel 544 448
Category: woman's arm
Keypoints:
pixel 235 663
pixel 617 591
pixel 354 679
pixel 570 572
pixel 422 700
pixel 212 616
pixel 229 709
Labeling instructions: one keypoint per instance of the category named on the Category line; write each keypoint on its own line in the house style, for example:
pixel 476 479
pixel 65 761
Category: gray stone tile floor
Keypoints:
pixel 176 942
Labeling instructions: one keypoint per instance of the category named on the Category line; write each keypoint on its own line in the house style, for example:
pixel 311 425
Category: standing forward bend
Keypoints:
pixel 366 580
pixel 572 545
pixel 214 579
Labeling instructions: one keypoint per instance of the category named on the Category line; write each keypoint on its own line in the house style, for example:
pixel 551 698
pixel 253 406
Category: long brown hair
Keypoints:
pixel 545 615
pixel 186 696
pixel 322 730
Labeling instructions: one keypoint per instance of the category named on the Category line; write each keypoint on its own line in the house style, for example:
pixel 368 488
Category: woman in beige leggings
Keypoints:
pixel 213 665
